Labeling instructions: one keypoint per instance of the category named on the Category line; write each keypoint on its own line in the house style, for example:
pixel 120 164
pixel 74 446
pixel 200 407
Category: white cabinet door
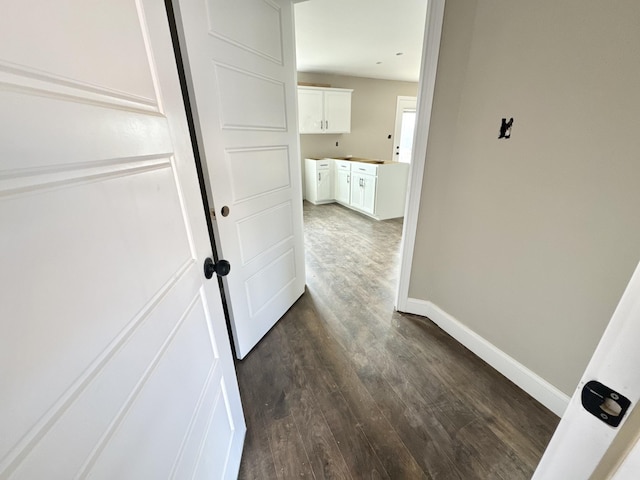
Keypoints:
pixel 357 190
pixel 325 190
pixel 310 110
pixel 343 186
pixel 324 110
pixel 114 355
pixel 337 111
pixel 363 192
pixel 369 193
pixel 241 74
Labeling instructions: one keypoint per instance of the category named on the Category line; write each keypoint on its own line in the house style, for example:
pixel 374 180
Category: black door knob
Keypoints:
pixel 221 267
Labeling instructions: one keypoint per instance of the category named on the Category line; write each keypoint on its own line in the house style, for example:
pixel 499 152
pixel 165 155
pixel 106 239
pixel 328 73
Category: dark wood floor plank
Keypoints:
pixel 344 387
pixel 384 438
pixel 324 453
pixel 349 419
pixel 257 460
pixel 289 455
pixel 359 456
pixel 504 408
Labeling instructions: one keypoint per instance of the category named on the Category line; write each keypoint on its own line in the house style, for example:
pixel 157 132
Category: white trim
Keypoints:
pixel 530 382
pixel 430 52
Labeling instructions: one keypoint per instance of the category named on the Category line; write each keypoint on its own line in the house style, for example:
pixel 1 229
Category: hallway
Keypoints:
pixel 344 387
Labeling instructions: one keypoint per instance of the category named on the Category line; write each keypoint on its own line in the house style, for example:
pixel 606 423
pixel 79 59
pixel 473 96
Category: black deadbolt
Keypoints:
pixel 221 267
pixel 604 403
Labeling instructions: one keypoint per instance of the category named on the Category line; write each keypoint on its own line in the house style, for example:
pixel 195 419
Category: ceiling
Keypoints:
pixel 362 38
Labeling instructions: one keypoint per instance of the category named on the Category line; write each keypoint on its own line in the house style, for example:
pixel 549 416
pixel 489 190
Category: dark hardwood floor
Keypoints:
pixel 344 387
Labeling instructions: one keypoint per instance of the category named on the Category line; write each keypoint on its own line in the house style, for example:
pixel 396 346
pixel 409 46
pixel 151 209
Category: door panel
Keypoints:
pixel 111 348
pixel 264 96
pixel 253 26
pixel 257 171
pixel 240 68
pixel 158 417
pixel 270 228
pixel 95 63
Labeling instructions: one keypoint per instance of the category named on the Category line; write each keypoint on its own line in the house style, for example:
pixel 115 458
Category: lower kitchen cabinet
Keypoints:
pixel 378 190
pixel 319 180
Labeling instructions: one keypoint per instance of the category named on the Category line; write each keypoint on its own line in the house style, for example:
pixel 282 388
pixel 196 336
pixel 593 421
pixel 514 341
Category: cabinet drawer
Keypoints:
pixel 323 164
pixel 343 165
pixel 367 168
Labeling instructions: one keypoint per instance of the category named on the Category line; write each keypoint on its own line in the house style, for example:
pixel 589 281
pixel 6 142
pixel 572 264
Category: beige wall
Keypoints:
pixel 530 241
pixel 373 110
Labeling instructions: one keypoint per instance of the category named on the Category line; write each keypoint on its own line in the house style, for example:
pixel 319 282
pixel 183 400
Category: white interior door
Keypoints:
pixel 240 65
pixel 582 439
pixel 114 360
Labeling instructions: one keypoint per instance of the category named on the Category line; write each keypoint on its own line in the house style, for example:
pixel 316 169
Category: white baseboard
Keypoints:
pixel 530 382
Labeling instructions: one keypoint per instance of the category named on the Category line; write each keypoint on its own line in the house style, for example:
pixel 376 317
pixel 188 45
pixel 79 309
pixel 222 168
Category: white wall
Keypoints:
pixel 529 242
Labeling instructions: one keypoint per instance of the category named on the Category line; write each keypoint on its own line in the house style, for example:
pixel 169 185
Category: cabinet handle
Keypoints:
pixel 319 176
pixel 348 178
pixel 326 122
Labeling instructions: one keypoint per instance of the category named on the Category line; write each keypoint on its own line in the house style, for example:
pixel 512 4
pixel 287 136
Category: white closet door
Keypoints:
pixel 240 64
pixel 114 358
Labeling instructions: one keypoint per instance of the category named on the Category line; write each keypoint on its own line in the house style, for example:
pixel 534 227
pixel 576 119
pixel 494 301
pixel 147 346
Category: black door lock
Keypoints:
pixel 604 403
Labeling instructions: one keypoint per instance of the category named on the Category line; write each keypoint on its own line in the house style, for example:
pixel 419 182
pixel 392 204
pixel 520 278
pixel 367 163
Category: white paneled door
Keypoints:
pixel 240 64
pixel 114 359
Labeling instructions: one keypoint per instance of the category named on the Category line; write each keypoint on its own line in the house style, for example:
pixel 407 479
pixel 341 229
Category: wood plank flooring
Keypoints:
pixel 343 387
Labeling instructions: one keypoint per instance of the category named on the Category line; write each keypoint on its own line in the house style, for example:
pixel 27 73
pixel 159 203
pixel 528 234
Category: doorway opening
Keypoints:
pixel 384 105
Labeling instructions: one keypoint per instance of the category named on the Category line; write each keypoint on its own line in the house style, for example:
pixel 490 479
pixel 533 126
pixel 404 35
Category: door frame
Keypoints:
pixel 426 88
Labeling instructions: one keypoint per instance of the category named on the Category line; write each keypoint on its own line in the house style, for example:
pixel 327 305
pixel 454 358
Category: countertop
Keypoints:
pixel 358 159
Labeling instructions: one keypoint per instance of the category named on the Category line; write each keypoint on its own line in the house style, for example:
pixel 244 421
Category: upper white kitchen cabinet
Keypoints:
pixel 324 110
